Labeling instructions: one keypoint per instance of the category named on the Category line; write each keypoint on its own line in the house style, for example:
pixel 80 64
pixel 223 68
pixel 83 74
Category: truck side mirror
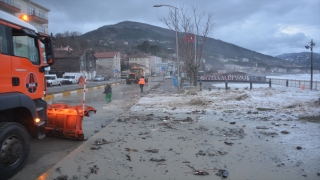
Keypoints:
pixel 48 49
pixel 50 60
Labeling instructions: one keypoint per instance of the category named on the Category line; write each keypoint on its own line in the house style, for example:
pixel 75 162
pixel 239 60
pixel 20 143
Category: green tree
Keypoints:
pixel 147 48
pixel 154 49
pixel 144 47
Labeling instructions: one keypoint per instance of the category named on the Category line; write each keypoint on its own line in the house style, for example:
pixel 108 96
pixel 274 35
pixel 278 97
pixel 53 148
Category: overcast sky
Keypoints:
pixel 271 27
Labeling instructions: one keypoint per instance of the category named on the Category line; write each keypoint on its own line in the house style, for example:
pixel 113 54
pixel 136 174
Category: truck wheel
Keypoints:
pixel 50 84
pixel 14 148
pixel 59 83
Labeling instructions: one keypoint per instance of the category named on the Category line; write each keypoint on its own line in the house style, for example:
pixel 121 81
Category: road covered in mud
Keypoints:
pixel 264 133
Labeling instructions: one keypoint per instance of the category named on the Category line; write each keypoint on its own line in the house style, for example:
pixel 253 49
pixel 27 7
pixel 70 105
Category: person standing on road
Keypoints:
pixel 108 92
pixel 81 82
pixel 142 82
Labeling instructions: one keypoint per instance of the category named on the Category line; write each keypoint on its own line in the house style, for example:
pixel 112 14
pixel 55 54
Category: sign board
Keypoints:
pixel 163 69
pixel 116 71
pixel 233 78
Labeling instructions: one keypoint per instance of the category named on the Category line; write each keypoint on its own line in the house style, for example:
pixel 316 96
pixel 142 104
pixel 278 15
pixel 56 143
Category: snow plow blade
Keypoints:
pixel 66 121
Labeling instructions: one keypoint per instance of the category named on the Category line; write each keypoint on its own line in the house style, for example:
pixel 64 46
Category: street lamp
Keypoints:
pixel 307 47
pixel 176 29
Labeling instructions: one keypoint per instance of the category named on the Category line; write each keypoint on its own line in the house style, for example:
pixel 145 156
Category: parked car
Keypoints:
pixel 99 78
pixel 69 79
pixel 167 77
pixel 52 80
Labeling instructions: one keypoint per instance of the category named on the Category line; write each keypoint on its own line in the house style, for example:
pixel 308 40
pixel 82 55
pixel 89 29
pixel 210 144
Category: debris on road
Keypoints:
pixel 157 160
pixel 152 150
pixel 128 157
pixel 94 169
pixel 228 143
pixel 201 153
pixel 223 173
pixel 62 177
pixel 261 127
pixel 95 147
pixel 198 172
pixel 285 132
pixel 131 150
pixel 101 141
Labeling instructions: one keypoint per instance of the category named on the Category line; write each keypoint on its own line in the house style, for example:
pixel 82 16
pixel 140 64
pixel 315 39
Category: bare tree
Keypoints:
pixel 71 39
pixel 193 30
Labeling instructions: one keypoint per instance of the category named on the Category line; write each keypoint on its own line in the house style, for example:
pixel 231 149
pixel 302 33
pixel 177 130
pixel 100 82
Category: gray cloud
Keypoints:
pixel 270 27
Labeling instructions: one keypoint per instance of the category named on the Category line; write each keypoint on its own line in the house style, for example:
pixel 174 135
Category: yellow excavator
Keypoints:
pixel 134 75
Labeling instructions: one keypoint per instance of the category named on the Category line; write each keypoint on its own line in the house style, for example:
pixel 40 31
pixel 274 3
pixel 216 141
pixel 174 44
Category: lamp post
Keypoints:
pixel 311 47
pixel 176 29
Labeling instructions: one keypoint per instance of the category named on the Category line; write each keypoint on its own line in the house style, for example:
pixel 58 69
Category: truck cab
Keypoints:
pixel 23 112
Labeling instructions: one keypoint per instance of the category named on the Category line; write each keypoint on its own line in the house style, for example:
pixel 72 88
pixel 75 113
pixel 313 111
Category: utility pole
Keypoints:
pixel 176 29
pixel 311 47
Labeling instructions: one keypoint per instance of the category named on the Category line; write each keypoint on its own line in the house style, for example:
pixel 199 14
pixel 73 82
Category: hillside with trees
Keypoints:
pixel 129 37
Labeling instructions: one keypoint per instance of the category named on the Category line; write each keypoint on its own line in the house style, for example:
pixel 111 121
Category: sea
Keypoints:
pixel 316 77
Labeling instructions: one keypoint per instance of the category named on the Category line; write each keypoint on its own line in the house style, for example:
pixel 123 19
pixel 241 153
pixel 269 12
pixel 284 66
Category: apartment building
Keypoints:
pixel 108 63
pixel 154 61
pixel 38 15
pixel 142 60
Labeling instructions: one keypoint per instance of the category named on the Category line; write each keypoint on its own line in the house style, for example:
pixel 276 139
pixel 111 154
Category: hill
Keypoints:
pixel 125 36
pixel 301 59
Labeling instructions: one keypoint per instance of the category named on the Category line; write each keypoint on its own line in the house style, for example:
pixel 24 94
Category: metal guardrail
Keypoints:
pixel 304 84
pixel 295 83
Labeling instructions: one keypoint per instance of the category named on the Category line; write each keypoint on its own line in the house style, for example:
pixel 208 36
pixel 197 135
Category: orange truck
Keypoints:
pixel 24 55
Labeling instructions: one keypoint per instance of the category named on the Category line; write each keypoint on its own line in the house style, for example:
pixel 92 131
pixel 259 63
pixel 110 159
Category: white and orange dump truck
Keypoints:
pixel 23 112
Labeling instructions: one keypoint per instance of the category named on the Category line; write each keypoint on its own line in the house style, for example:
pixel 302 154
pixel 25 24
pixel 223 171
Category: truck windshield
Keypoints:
pixel 25 46
pixel 69 77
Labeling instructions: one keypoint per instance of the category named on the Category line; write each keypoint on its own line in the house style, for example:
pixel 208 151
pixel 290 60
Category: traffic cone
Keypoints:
pixel 303 87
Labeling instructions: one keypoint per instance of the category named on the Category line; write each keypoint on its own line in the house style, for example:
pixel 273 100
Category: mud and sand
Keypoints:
pixel 236 134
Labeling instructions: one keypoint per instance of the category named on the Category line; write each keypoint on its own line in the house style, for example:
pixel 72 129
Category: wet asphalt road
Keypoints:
pixel 47 152
pixel 68 87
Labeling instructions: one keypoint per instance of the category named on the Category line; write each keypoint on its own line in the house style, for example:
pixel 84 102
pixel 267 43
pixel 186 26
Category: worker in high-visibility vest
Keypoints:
pixel 142 82
pixel 81 82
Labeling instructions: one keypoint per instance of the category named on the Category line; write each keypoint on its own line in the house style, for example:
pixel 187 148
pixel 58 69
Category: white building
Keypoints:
pixel 38 15
pixel 142 60
pixel 154 60
pixel 108 63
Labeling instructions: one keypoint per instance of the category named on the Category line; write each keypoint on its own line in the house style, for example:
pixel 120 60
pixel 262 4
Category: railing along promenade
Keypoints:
pixel 304 84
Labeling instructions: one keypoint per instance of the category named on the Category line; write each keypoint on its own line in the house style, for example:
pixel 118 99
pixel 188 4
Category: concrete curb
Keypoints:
pixel 77 91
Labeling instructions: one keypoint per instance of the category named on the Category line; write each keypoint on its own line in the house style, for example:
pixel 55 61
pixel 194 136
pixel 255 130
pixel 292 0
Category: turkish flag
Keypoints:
pixel 189 38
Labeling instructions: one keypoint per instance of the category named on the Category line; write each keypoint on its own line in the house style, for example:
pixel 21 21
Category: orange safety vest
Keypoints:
pixel 142 81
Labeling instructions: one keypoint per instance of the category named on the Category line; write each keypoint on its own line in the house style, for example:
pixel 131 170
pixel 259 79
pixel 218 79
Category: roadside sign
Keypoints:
pixel 116 71
pixel 163 69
